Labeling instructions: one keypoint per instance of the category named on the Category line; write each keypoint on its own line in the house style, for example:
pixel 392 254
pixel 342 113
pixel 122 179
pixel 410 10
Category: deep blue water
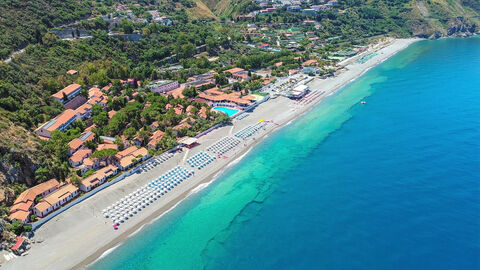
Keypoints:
pixel 392 184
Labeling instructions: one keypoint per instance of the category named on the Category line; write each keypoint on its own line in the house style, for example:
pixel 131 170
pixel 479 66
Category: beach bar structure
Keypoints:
pixel 299 91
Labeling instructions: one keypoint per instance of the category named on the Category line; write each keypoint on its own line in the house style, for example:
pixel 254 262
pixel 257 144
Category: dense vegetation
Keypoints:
pixel 27 82
pixel 25 22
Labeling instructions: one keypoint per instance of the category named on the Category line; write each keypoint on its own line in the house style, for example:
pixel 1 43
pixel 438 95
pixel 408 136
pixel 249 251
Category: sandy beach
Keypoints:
pixel 80 235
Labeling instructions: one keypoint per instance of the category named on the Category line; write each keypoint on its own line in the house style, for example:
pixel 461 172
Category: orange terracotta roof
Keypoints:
pixel 126 152
pixel 213 91
pixel 22 206
pixel 83 109
pixel 203 113
pixel 19 215
pixel 60 119
pixel 182 126
pixel 128 160
pixel 67 90
pixel 95 178
pixel 89 162
pixel 234 70
pixel 80 155
pixel 111 113
pixel 104 146
pixel 310 62
pixel 60 194
pixel 77 142
pixel 31 193
pixel 177 92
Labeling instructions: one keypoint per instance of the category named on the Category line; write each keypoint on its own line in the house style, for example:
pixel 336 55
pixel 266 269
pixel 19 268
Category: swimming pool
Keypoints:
pixel 228 111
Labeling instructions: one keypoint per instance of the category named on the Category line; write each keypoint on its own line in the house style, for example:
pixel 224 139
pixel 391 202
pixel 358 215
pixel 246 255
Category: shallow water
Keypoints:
pixel 391 184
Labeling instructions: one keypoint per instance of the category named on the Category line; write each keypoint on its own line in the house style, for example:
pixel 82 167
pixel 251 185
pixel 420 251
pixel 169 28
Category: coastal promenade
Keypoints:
pixel 81 234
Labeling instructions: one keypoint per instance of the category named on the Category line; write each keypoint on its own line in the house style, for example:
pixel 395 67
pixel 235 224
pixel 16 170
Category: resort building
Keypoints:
pixel 299 91
pixel 55 200
pixel 23 205
pixel 155 139
pixel 89 164
pixel 98 178
pixel 70 92
pixel 131 156
pixel 77 143
pixel 309 63
pixel 62 122
pixel 234 99
pixel 78 157
pixel 163 86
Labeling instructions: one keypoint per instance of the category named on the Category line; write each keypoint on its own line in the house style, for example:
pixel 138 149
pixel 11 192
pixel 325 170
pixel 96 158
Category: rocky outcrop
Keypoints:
pixel 462 30
pixel 16 167
pixel 459 28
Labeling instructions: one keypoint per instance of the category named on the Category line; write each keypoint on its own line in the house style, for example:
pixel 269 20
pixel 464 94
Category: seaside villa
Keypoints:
pixel 55 200
pixel 23 205
pixel 131 156
pixel 98 178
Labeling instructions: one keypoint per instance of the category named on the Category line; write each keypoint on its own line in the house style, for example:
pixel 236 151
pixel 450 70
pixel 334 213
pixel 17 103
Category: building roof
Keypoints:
pixel 89 162
pixel 19 215
pixel 156 137
pixel 31 193
pixel 213 91
pixel 126 152
pixel 67 90
pixel 104 146
pixel 56 197
pixel 310 62
pixel 95 178
pixel 128 160
pixel 182 126
pixel 234 70
pixel 22 206
pixel 18 243
pixel 111 113
pixel 77 142
pixel 72 72
pixel 203 112
pixel 61 119
pixel 177 92
pixel 80 155
pixel 189 140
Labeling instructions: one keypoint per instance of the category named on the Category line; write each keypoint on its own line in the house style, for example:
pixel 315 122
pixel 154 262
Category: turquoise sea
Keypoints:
pixel 391 184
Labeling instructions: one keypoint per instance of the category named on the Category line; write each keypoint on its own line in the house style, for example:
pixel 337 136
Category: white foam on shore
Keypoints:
pixel 137 231
pixel 104 254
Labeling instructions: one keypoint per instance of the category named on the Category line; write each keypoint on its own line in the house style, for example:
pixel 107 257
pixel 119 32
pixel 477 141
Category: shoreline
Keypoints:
pixel 92 249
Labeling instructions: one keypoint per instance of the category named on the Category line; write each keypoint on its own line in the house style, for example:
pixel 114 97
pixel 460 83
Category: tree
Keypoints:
pixel 190 92
pixel 105 153
pixel 33 218
pixel 127 26
pixel 130 132
pixel 119 143
pixel 221 79
pixel 75 180
pixel 17 227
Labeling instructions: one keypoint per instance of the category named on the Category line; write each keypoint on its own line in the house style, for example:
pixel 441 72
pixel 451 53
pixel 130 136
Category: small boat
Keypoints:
pixel 363 102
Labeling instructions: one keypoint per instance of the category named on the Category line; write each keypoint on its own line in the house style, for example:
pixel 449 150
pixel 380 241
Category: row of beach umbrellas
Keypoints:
pixel 136 201
pixel 224 145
